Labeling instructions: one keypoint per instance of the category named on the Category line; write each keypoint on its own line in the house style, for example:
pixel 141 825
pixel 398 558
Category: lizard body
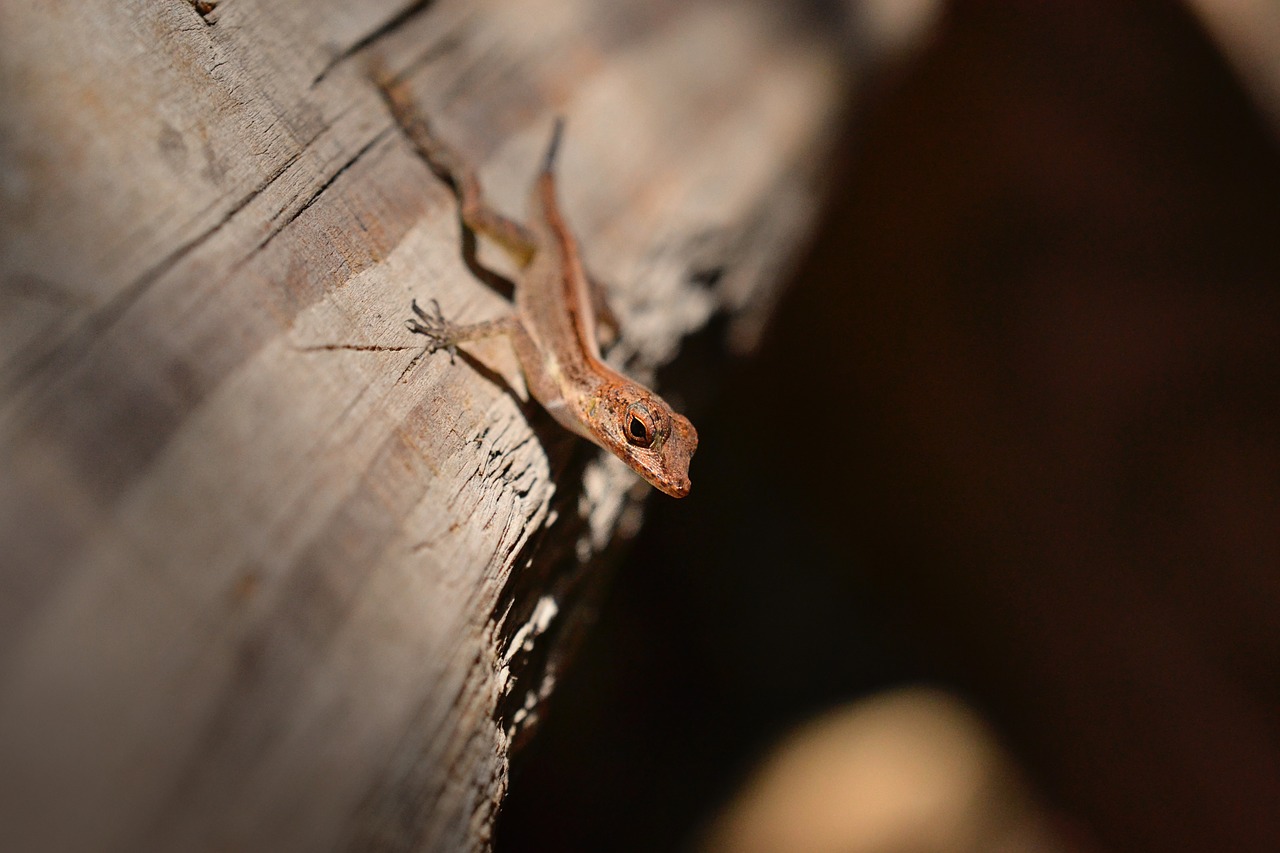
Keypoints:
pixel 554 327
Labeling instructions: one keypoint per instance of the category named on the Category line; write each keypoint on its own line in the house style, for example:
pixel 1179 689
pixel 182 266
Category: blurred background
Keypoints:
pixel 1014 435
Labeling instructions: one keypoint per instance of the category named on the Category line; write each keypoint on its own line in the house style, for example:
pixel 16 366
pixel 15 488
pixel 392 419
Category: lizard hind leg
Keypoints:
pixel 608 329
pixel 476 213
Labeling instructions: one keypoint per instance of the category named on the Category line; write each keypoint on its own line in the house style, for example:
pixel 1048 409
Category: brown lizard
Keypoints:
pixel 554 326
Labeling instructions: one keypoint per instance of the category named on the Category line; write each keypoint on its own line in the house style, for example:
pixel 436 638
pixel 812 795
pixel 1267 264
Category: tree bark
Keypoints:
pixel 272 581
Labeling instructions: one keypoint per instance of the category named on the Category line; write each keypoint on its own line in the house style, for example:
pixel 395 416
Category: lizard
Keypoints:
pixel 558 309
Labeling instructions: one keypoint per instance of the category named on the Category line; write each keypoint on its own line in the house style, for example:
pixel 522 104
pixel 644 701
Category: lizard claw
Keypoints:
pixel 434 327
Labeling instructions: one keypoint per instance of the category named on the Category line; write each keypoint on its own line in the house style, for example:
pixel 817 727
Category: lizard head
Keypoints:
pixel 639 427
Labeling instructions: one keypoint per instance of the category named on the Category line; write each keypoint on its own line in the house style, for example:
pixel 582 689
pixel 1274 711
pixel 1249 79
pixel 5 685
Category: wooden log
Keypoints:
pixel 271 581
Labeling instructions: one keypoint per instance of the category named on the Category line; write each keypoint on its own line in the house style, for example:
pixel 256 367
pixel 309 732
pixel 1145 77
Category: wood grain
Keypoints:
pixel 270 580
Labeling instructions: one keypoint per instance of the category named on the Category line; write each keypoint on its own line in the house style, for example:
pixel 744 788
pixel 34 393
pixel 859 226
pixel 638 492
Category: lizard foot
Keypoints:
pixel 434 327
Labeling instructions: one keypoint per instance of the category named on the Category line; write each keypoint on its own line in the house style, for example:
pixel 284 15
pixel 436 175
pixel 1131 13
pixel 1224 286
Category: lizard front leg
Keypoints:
pixel 444 335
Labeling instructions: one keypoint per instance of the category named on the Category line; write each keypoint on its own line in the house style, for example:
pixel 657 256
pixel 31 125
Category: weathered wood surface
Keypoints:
pixel 267 582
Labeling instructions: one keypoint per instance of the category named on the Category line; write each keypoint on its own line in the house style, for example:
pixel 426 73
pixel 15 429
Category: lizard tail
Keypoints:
pixel 557 132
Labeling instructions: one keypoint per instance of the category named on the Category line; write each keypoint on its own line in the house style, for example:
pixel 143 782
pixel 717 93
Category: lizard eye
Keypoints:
pixel 637 425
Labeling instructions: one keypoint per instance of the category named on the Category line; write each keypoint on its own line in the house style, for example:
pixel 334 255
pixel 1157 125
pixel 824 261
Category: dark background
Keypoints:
pixel 1015 431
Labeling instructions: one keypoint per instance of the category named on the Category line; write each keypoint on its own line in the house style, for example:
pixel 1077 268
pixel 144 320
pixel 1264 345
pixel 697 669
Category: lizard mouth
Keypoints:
pixel 677 489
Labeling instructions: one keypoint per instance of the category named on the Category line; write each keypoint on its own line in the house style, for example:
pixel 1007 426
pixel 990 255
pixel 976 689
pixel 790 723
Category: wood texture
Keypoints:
pixel 271 581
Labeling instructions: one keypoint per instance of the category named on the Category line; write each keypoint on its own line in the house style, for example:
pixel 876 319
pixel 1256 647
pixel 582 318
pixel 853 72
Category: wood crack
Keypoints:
pixel 315 195
pixel 389 26
pixel 354 348
pixel 103 318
